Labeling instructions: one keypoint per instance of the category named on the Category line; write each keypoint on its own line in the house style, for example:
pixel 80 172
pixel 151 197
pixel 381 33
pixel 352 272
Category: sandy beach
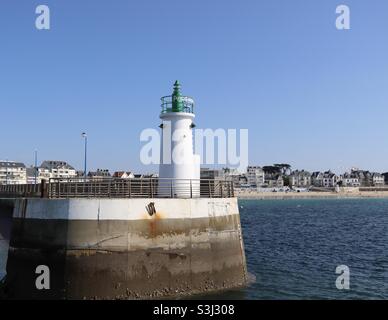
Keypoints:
pixel 309 195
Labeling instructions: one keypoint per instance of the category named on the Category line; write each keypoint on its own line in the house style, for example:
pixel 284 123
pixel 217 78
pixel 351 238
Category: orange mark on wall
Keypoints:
pixel 153 220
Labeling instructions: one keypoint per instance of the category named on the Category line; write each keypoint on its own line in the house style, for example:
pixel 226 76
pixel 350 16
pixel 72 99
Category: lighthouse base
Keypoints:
pixel 120 249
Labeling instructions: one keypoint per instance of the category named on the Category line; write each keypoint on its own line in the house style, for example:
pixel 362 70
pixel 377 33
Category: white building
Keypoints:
pixel 12 172
pixel 350 180
pixel 300 179
pixel 234 175
pixel 329 179
pixel 317 179
pixel 38 174
pixel 377 179
pixel 59 169
pixel 255 176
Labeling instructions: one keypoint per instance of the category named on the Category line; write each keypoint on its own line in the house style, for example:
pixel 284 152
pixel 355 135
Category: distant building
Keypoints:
pixel 364 177
pixel 255 176
pixel 212 174
pixel 99 174
pixel 273 177
pixel 325 179
pixel 369 179
pixel 37 174
pixel 385 175
pixel 317 179
pixel 301 179
pixel 123 175
pixel 235 176
pixel 12 172
pixel 273 181
pixel 242 181
pixel 80 173
pixel 59 169
pixel 152 175
pixel 350 180
pixel 377 179
pixel 330 179
pixel 146 175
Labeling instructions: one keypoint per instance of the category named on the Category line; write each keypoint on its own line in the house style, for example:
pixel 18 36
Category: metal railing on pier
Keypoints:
pixel 121 188
pixel 20 190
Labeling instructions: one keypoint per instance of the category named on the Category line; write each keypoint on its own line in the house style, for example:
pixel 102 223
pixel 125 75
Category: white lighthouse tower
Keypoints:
pixel 179 170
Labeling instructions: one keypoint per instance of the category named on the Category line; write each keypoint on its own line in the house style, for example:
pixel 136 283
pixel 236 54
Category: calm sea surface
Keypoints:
pixel 294 246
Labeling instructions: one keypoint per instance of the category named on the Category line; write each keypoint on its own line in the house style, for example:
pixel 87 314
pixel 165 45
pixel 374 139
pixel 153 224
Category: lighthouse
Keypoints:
pixel 179 170
pixel 182 240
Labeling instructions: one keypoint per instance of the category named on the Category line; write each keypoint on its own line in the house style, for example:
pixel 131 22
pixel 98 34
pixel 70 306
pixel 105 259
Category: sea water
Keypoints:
pixel 293 248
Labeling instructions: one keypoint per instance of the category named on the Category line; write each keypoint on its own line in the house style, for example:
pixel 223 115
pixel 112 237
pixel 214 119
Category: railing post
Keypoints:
pixel 83 187
pixel 171 190
pixel 191 189
pixel 210 193
pixel 43 189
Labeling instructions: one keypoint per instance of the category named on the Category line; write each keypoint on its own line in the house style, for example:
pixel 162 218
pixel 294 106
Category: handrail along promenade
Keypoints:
pixel 121 188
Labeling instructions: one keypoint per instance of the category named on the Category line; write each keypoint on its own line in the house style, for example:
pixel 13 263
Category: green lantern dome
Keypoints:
pixel 176 102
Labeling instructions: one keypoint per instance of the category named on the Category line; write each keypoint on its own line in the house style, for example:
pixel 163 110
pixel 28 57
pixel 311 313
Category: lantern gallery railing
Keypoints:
pixel 122 188
pixel 181 104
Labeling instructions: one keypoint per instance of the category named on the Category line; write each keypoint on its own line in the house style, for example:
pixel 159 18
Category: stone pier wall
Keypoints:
pixel 125 248
pixel 6 209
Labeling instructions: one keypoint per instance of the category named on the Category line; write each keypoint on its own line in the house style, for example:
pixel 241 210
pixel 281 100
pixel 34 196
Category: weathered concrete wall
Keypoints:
pixel 107 249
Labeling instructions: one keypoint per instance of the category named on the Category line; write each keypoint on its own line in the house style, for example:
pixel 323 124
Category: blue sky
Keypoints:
pixel 310 95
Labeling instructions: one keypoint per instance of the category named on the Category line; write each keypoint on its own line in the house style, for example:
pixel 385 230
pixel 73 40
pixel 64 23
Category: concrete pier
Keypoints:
pixel 125 248
pixel 6 209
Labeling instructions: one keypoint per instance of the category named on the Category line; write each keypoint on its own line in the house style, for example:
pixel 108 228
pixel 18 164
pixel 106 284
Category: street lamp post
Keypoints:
pixel 36 166
pixel 84 135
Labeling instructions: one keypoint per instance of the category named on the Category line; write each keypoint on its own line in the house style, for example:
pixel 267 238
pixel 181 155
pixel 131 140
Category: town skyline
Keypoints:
pixel 275 175
pixel 150 169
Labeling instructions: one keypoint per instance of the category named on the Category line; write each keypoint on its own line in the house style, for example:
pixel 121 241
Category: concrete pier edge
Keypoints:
pixel 119 249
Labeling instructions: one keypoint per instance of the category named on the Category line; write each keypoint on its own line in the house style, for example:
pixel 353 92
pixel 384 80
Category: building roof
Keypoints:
pixel 329 174
pixel 315 174
pixel 99 173
pixel 254 167
pixel 119 174
pixel 376 174
pixel 54 164
pixel 351 175
pixel 302 173
pixel 12 164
